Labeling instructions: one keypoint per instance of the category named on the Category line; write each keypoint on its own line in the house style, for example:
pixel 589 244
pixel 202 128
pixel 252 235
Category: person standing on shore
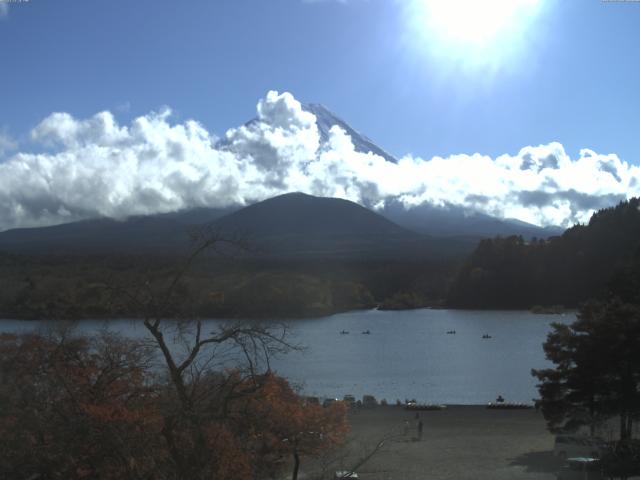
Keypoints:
pixel 420 427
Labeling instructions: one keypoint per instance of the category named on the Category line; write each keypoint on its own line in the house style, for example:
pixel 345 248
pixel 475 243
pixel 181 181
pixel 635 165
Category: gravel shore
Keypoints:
pixel 460 442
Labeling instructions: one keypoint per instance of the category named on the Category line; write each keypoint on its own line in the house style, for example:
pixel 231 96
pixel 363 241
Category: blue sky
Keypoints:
pixel 211 60
pixel 572 79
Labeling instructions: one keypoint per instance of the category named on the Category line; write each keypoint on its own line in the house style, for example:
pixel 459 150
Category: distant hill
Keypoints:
pixel 162 233
pixel 566 270
pixel 300 225
pixel 282 222
pixel 305 215
pixel 293 224
pixel 452 220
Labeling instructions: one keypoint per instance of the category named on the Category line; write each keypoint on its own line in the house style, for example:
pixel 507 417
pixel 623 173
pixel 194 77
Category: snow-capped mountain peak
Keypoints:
pixel 326 119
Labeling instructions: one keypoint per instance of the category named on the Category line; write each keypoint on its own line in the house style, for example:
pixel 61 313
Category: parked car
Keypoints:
pixel 350 400
pixel 329 401
pixel 369 401
pixel 581 468
pixel 571 446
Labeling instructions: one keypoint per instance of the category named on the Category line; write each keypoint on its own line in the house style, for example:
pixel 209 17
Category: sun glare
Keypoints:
pixel 475 31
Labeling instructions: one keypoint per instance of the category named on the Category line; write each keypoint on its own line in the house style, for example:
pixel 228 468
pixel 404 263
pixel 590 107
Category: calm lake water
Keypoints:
pixel 408 354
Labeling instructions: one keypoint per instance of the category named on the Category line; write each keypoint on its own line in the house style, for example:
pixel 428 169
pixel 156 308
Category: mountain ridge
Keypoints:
pixel 425 219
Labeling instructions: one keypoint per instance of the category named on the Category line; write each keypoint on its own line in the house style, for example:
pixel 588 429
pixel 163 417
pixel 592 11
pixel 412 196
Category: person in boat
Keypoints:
pixel 500 399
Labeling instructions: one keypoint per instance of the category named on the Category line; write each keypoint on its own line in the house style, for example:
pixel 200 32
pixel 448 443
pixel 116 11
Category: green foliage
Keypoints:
pixel 511 273
pixel 597 368
pixel 622 459
pixel 403 301
pixel 56 287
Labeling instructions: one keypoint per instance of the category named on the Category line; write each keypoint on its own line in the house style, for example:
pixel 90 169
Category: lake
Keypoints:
pixel 407 355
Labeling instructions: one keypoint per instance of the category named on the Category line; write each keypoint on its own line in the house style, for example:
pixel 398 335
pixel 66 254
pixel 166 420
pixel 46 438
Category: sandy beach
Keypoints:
pixel 461 442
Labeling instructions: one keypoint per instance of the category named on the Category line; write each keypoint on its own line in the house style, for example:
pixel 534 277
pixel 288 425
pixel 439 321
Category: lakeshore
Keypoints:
pixel 460 442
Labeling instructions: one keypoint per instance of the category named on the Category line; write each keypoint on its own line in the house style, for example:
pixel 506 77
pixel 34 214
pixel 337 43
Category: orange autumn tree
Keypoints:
pixel 110 408
pixel 281 422
pixel 75 408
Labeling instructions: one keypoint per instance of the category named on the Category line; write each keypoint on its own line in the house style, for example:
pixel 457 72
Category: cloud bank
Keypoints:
pixel 84 168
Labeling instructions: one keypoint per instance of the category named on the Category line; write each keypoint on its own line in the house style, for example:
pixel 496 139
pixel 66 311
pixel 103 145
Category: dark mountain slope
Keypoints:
pixel 455 220
pixel 297 224
pixel 161 233
pixel 305 215
pixel 291 224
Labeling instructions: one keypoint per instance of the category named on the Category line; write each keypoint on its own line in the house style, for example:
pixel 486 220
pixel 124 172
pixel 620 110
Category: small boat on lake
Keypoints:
pixel 508 406
pixel 486 335
pixel 366 332
pixel 344 332
pixel 413 405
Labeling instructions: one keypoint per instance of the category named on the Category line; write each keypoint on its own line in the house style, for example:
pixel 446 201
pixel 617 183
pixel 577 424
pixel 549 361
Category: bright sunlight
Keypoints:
pixel 475 32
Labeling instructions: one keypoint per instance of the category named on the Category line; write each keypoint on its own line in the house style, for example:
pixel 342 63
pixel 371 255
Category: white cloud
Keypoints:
pixel 97 167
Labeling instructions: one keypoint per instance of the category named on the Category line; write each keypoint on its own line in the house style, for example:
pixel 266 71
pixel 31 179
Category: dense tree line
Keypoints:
pixel 582 263
pixel 31 287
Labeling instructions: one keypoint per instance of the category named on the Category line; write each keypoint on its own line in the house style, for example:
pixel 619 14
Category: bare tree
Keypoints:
pixel 198 396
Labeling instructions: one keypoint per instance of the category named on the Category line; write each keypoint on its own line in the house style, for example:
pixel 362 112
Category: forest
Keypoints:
pixel 32 287
pixel 502 273
pixel 587 261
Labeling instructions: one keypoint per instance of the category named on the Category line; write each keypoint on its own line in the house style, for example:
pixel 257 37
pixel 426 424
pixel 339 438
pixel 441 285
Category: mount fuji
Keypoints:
pixel 165 232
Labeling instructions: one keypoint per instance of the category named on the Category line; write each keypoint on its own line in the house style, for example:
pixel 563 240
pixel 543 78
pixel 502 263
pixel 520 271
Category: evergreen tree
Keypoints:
pixel 597 369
